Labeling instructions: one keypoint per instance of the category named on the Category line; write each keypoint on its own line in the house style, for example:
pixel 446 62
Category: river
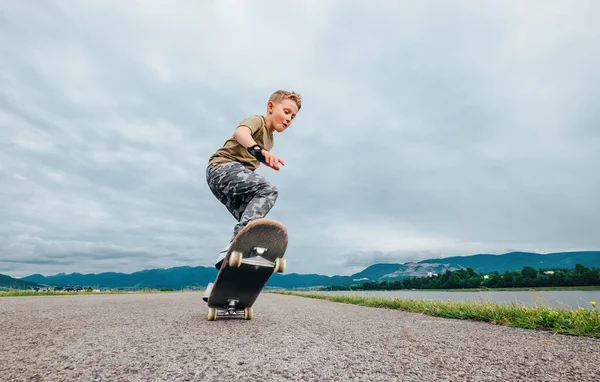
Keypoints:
pixel 571 299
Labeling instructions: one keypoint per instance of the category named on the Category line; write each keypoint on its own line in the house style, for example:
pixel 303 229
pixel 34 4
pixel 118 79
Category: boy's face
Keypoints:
pixel 282 114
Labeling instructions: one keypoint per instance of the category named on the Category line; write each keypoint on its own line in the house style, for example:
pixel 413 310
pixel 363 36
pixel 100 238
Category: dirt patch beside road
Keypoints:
pixel 166 337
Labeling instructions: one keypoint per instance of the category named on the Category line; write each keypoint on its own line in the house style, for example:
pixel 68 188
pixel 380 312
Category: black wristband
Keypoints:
pixel 256 151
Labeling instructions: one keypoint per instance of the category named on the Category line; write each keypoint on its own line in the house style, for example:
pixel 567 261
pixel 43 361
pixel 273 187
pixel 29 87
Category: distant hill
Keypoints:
pixel 199 277
pixel 382 272
pixel 177 277
pixel 483 263
pixel 7 282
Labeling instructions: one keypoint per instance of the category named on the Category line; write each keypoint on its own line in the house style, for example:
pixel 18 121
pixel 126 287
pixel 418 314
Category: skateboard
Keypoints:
pixel 254 254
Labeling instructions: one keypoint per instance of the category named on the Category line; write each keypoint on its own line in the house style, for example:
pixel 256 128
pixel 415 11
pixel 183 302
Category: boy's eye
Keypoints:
pixel 289 111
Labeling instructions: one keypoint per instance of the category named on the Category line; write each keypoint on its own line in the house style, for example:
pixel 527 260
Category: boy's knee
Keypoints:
pixel 269 191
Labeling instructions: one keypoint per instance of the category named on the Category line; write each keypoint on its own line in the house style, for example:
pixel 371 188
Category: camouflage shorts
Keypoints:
pixel 247 195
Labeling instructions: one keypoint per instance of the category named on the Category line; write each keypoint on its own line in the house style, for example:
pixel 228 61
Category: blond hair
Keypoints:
pixel 280 95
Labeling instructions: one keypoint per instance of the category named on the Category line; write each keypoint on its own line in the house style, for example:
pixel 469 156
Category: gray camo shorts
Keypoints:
pixel 246 194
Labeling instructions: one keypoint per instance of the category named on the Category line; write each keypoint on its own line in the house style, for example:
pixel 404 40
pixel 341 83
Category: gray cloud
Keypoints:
pixel 426 131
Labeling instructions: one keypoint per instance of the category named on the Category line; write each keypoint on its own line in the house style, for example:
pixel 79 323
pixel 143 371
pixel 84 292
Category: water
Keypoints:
pixel 571 299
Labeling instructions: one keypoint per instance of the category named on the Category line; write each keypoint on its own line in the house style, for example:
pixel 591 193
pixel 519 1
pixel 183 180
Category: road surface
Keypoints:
pixel 166 337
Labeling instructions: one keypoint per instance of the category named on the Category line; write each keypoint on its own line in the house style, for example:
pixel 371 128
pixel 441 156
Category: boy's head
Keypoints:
pixel 282 109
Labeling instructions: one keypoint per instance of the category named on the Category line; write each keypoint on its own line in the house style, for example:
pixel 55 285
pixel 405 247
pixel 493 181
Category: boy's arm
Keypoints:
pixel 243 135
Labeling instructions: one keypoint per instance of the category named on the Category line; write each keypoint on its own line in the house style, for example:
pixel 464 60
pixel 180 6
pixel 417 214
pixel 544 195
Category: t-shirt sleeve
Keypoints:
pixel 254 123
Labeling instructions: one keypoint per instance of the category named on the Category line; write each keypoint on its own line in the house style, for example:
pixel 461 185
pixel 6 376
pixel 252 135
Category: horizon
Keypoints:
pixel 323 274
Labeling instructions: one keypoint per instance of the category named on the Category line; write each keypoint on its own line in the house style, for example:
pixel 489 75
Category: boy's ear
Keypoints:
pixel 270 106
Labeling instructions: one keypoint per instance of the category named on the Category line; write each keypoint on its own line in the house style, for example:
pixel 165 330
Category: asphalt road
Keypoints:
pixel 166 337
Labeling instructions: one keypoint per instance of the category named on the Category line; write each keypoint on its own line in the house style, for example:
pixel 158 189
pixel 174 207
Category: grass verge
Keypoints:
pixel 579 322
pixel 22 293
pixel 515 289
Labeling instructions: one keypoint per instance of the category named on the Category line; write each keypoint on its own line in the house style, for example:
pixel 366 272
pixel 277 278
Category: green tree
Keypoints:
pixel 446 276
pixel 580 269
pixel 453 282
pixel 472 273
pixel 529 273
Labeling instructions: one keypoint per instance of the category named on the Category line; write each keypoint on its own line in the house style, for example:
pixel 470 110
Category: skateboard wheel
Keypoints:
pixel 279 265
pixel 235 259
pixel 248 313
pixel 212 314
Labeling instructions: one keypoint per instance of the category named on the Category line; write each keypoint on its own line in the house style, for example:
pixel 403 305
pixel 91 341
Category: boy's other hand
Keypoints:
pixel 272 160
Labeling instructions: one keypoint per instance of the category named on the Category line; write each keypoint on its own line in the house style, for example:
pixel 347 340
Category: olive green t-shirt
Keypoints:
pixel 233 151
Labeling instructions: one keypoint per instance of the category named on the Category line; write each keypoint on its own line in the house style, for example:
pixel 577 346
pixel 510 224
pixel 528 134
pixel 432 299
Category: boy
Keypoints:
pixel 230 172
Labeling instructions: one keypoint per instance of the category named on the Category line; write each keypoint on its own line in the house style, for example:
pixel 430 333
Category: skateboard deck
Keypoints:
pixel 254 254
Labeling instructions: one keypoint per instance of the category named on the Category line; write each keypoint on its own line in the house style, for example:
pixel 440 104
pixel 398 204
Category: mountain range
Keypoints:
pixel 7 282
pixel 199 277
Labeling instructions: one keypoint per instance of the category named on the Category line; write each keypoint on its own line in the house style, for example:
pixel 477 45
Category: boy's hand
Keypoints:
pixel 265 157
pixel 272 160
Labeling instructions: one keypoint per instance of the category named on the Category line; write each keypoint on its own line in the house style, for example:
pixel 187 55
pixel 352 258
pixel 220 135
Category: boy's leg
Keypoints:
pixel 259 196
pixel 245 194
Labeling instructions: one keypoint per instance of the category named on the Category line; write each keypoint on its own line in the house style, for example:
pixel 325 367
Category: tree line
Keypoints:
pixel 468 278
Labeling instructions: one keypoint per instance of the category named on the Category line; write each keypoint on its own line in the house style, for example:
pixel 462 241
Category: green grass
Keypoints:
pixel 515 289
pixel 535 288
pixel 23 293
pixel 579 322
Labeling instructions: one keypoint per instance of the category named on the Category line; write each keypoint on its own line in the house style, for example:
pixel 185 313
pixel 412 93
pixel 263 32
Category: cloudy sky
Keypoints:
pixel 428 129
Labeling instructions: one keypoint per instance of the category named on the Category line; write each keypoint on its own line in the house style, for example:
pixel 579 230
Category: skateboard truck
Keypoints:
pixel 255 258
pixel 231 306
pixel 230 312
